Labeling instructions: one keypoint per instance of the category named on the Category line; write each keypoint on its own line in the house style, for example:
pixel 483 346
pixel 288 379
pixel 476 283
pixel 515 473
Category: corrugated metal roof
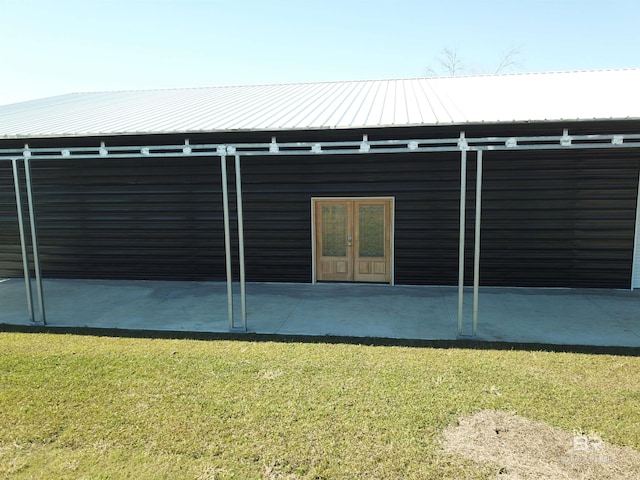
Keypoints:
pixel 606 94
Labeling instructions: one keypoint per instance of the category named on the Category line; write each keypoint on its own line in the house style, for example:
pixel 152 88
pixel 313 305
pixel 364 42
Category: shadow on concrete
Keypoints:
pixel 468 344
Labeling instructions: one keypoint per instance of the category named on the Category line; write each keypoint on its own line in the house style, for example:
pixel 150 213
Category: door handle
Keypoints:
pixel 349 240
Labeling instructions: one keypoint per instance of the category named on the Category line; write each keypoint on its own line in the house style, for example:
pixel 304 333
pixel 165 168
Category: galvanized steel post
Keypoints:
pixel 227 237
pixel 476 253
pixel 34 238
pixel 463 201
pixel 243 293
pixel 635 261
pixel 23 238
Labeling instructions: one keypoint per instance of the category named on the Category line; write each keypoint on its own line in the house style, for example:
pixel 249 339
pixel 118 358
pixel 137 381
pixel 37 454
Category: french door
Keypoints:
pixel 353 239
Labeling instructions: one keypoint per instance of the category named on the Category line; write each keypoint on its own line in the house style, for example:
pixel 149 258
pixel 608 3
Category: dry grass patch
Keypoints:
pixel 524 449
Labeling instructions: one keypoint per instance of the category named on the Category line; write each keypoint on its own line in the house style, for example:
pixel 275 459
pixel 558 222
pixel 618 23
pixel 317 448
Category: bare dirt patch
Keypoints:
pixel 524 449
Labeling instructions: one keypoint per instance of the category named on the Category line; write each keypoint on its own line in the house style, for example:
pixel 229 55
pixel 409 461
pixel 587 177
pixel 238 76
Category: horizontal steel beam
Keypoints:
pixel 560 142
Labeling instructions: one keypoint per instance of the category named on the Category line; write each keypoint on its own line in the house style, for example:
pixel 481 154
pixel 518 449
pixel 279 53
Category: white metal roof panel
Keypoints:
pixel 606 94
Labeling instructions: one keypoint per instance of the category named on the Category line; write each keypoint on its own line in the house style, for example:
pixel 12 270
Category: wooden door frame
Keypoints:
pixel 392 213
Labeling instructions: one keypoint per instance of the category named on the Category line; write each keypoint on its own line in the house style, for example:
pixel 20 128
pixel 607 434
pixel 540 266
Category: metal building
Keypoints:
pixel 510 180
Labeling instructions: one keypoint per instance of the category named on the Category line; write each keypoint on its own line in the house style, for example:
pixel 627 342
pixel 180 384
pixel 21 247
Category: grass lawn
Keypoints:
pixel 98 407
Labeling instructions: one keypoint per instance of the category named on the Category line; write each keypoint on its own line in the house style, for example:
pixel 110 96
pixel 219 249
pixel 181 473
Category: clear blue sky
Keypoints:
pixel 60 46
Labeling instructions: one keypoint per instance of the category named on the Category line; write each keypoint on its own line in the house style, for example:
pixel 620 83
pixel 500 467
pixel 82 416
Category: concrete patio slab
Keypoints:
pixel 522 315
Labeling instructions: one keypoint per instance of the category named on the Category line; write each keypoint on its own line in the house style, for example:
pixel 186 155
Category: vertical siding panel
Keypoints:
pixel 10 255
pixel 139 219
pixel 558 219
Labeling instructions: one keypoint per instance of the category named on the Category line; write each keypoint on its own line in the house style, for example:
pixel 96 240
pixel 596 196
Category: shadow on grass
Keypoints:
pixel 465 343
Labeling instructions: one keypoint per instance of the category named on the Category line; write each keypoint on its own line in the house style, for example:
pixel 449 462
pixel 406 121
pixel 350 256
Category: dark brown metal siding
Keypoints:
pixel 548 218
pixel 278 193
pixel 559 218
pixel 562 219
pixel 139 219
pixel 10 257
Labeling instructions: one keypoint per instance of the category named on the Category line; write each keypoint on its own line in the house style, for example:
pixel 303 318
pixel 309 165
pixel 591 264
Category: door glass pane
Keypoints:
pixel 371 223
pixel 334 231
